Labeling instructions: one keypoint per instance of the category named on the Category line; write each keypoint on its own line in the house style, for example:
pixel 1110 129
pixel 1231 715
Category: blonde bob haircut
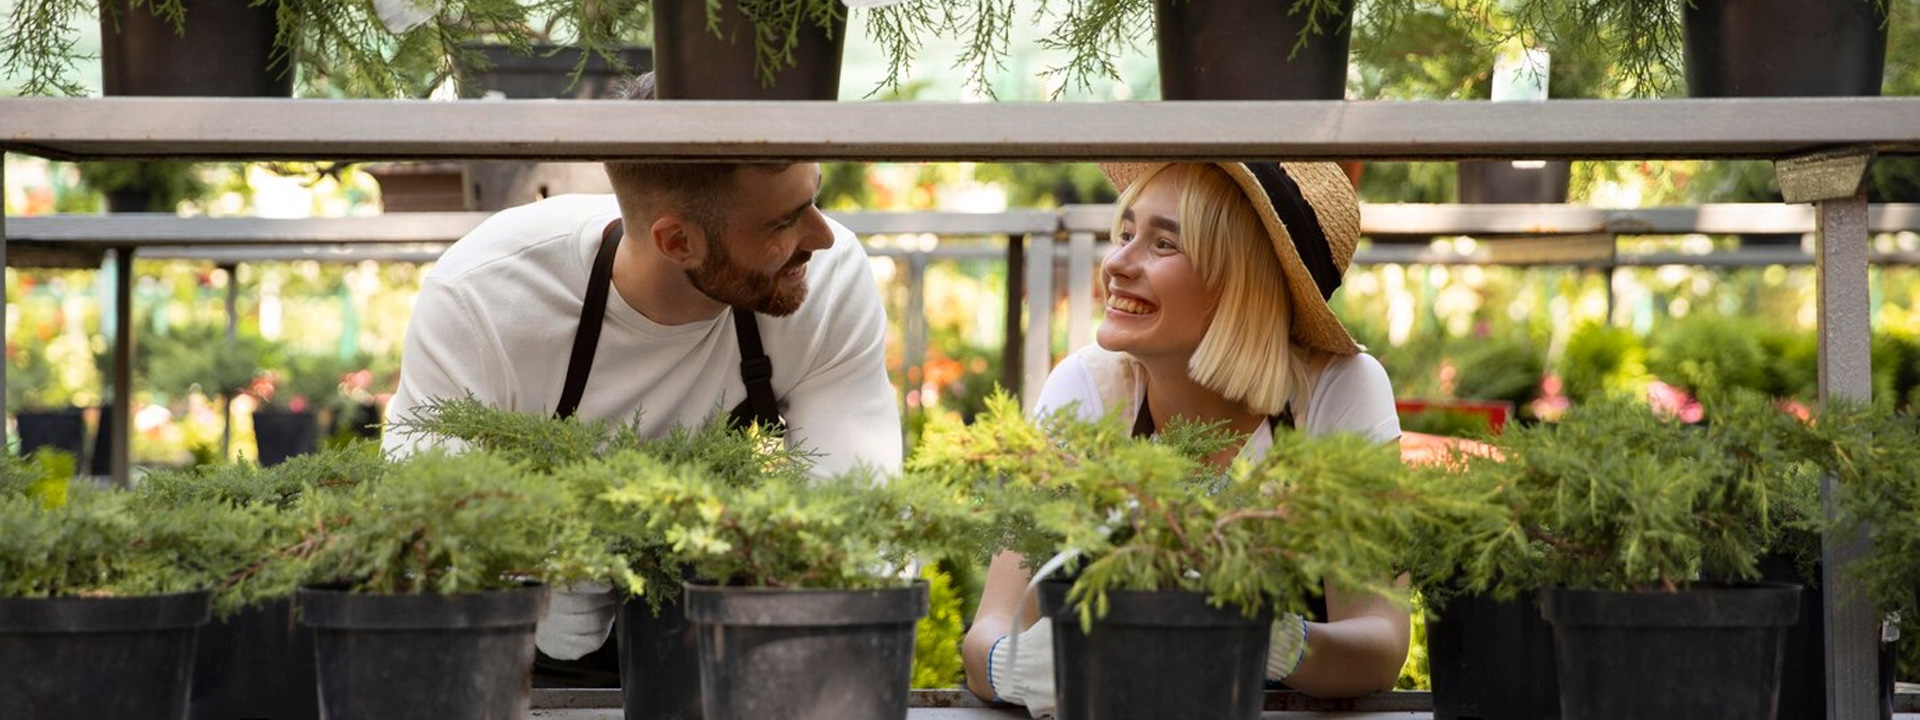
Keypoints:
pixel 1247 354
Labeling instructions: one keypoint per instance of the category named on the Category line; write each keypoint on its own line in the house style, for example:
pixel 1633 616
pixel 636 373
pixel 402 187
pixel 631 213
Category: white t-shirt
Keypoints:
pixel 1351 394
pixel 496 317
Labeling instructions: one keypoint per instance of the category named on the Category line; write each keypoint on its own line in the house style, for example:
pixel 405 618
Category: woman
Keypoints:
pixel 1217 288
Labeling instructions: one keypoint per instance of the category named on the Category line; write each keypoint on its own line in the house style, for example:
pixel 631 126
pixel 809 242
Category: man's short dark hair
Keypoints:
pixel 698 191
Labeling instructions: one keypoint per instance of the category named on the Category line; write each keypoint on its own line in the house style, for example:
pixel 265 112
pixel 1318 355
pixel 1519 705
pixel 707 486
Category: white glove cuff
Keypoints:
pixel 1025 678
pixel 1288 648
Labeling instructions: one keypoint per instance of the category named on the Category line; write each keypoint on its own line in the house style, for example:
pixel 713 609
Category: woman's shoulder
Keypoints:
pixel 1094 377
pixel 1353 394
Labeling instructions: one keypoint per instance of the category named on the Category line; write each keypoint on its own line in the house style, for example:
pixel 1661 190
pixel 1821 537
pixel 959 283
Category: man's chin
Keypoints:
pixel 781 304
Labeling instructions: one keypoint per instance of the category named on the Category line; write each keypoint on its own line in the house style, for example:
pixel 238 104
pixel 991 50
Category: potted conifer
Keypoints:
pixel 437 569
pixel 658 654
pixel 803 605
pixel 1180 569
pixel 254 659
pixel 1638 559
pixel 91 580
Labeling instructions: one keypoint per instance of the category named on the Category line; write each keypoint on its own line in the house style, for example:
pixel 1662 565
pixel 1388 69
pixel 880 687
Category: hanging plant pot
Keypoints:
pixel 1690 655
pixel 258 663
pixel 1243 50
pixel 423 656
pixel 659 662
pixel 227 51
pixel 692 63
pixel 547 72
pixel 1491 661
pixel 1198 660
pixel 843 654
pixel 124 658
pixel 1504 181
pixel 280 434
pixel 1791 48
pixel 492 185
pixel 64 430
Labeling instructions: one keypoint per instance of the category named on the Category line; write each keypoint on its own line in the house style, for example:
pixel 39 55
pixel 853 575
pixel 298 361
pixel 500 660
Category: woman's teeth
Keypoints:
pixel 1128 305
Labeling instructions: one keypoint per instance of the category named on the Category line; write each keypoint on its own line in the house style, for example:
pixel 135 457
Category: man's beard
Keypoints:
pixel 740 286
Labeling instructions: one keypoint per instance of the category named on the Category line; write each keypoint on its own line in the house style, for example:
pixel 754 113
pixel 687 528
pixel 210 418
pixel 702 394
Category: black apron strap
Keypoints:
pixel 593 314
pixel 1143 426
pixel 756 371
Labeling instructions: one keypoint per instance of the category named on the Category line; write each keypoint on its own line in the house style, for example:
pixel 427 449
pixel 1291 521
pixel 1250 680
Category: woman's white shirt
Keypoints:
pixel 1350 394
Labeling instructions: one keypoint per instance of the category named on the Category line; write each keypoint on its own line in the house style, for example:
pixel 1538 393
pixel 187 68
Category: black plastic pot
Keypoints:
pixel 1692 655
pixel 659 662
pixel 1500 181
pixel 1243 50
pixel 548 72
pixel 120 658
pixel 691 63
pixel 63 430
pixel 257 663
pixel 227 51
pixel 1157 656
pixel 280 434
pixel 1491 661
pixel 842 654
pixel 1771 48
pixel 423 657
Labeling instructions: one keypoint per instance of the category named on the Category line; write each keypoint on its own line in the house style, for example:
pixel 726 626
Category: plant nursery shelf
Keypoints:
pixel 250 128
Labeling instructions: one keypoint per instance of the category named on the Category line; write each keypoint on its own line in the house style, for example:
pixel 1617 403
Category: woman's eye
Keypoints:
pixel 1165 245
pixel 1123 237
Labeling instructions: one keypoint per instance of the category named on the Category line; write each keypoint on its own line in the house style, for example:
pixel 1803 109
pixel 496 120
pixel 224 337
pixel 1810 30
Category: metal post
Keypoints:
pixel 1080 262
pixel 1011 353
pixel 1831 180
pixel 121 409
pixel 1039 340
pixel 233 338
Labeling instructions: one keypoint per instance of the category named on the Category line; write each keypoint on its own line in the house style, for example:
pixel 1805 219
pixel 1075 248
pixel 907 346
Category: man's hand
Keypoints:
pixel 578 619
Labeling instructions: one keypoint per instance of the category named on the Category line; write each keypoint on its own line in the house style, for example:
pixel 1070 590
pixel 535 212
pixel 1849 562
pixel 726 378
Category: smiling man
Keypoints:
pixel 695 289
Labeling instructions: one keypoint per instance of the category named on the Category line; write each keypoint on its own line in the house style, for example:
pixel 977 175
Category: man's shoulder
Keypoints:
pixel 545 231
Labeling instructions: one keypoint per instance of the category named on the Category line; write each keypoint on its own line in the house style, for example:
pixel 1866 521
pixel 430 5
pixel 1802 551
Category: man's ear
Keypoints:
pixel 679 241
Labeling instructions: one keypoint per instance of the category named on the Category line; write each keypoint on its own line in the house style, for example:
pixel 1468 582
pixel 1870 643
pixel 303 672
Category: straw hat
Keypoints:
pixel 1313 202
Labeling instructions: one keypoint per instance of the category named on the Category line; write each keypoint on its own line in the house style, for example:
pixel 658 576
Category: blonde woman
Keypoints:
pixel 1217 286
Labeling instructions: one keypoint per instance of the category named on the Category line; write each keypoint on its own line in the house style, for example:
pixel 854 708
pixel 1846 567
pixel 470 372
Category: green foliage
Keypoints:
pixel 1152 515
pixel 1870 452
pixel 280 486
pixel 937 637
pixel 167 183
pixel 44 476
pixel 1707 355
pixel 844 532
pixel 198 356
pixel 450 524
pixel 539 442
pixel 277 562
pixel 99 544
pixel 1681 504
pixel 1600 360
pixel 1416 673
pixel 1448 422
pixel 1498 370
pixel 340 46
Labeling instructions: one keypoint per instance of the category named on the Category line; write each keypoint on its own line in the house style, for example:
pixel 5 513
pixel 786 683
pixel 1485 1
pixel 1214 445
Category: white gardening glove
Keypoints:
pixel 1025 678
pixel 1288 648
pixel 578 618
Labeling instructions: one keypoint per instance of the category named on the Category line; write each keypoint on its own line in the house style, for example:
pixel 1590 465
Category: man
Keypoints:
pixel 695 288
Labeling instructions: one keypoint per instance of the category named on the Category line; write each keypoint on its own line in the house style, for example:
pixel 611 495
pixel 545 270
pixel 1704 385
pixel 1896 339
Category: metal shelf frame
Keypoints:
pixel 1821 148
